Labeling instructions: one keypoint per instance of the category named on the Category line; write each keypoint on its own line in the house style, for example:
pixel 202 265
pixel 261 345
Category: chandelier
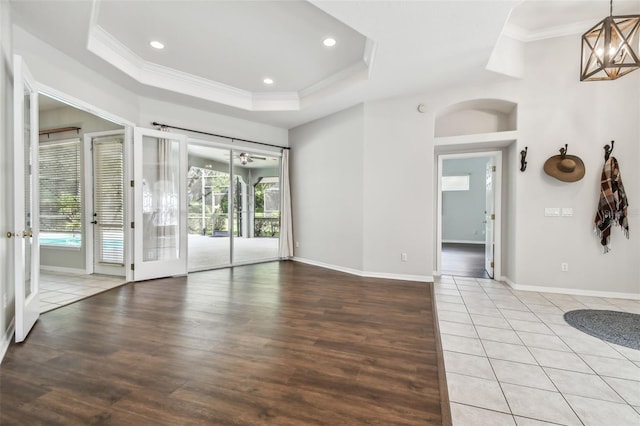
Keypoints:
pixel 611 48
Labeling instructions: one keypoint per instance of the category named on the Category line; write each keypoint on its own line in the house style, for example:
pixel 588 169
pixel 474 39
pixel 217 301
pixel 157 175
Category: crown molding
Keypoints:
pixel 526 36
pixel 103 44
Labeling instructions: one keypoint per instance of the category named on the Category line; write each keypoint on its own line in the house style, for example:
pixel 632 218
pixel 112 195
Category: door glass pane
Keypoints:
pixel 108 216
pixel 256 180
pixel 160 204
pixel 27 195
pixel 208 207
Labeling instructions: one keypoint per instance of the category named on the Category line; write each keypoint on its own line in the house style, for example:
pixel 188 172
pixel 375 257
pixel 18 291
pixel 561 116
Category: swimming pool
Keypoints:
pixel 60 240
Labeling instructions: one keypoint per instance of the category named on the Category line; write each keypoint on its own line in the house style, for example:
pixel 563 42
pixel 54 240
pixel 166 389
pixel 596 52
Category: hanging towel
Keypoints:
pixel 612 207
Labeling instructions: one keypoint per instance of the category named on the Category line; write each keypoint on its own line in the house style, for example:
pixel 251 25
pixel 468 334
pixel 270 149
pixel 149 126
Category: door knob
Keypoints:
pixel 27 234
pixel 11 234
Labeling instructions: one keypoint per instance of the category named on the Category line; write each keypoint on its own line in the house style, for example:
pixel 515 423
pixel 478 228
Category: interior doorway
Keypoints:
pixel 69 271
pixel 469 200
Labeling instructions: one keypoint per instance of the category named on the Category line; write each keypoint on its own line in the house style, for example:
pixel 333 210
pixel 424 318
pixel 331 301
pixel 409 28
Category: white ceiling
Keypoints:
pixel 384 49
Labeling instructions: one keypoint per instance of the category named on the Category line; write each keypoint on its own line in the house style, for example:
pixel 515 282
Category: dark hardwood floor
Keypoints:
pixel 277 343
pixel 463 260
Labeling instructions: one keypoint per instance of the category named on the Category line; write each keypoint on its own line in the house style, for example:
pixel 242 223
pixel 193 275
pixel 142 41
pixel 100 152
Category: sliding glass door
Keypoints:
pixel 233 206
pixel 208 192
pixel 256 179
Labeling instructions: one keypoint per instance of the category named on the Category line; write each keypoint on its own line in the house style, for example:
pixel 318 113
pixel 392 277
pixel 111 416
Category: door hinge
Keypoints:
pixel 493 216
pixel 132 183
pixel 491 264
pixel 493 168
pixel 132 225
pixel 132 267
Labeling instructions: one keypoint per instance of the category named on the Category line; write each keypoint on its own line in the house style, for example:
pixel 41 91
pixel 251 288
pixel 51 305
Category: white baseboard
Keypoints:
pixel 6 340
pixel 462 242
pixel 366 274
pixel 62 269
pixel 571 291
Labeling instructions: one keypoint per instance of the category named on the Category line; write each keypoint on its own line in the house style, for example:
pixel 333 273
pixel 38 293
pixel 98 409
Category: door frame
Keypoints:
pixel 27 308
pixel 89 235
pixel 236 147
pixel 497 155
pixel 128 132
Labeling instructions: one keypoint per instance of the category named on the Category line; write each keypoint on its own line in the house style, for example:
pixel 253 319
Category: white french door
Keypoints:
pixel 489 217
pixel 105 200
pixel 160 204
pixel 25 201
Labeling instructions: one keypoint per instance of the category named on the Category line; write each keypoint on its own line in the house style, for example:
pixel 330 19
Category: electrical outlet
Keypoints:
pixel 564 267
pixel 4 300
pixel 403 257
pixel 297 243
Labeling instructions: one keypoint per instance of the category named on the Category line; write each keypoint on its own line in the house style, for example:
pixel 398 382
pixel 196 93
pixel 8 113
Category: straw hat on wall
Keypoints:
pixel 564 167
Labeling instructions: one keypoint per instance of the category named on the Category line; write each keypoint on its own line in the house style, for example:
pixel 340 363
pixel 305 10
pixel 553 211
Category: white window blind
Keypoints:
pixel 108 166
pixel 60 192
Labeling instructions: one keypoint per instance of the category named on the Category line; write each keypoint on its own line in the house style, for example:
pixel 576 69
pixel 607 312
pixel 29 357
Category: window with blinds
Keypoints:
pixel 108 169
pixel 60 193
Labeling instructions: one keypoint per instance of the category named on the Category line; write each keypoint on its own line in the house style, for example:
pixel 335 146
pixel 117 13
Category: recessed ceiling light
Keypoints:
pixel 268 81
pixel 329 42
pixel 156 44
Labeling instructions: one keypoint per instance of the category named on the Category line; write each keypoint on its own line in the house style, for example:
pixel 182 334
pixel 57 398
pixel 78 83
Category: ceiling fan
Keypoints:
pixel 248 158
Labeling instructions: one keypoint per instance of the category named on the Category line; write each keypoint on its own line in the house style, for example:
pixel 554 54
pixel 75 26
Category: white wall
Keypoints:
pixel 54 69
pixel 560 109
pixel 554 108
pixel 6 140
pixel 327 189
pixel 398 189
pixel 463 211
pixel 178 115
pixel 471 121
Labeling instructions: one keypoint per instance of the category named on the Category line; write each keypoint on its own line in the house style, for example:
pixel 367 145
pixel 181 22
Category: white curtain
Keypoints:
pixel 286 224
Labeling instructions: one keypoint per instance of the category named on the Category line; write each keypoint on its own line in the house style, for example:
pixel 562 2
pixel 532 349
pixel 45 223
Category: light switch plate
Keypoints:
pixel 552 211
pixel 567 211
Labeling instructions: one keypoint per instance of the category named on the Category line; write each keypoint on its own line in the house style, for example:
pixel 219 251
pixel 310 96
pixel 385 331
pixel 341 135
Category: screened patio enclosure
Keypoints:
pixel 233 207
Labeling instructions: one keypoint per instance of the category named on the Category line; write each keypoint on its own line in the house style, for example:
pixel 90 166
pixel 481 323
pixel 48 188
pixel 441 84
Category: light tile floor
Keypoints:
pixel 60 289
pixel 511 359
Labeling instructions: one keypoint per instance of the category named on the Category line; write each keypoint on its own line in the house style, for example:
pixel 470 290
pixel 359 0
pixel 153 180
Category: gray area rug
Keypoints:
pixel 621 328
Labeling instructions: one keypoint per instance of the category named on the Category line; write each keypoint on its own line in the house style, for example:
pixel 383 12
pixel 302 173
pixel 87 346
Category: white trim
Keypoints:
pixel 82 105
pixel 497 195
pixel 128 203
pixel 6 340
pixel 496 139
pixel 62 269
pixel 523 35
pixel 233 146
pixel 106 46
pixel 463 242
pixel 355 69
pixel 366 274
pixel 89 234
pixel 571 291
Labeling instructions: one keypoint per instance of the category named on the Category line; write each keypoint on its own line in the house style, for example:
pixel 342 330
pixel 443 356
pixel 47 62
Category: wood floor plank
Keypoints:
pixel 279 343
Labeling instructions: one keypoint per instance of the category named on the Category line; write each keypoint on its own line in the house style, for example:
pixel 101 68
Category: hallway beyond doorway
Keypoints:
pixel 463 260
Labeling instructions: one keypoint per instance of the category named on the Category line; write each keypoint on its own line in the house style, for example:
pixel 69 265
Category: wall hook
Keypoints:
pixel 608 150
pixel 563 151
pixel 523 159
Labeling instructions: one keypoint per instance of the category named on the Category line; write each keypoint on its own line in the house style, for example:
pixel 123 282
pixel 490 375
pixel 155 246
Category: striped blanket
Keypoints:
pixel 612 207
